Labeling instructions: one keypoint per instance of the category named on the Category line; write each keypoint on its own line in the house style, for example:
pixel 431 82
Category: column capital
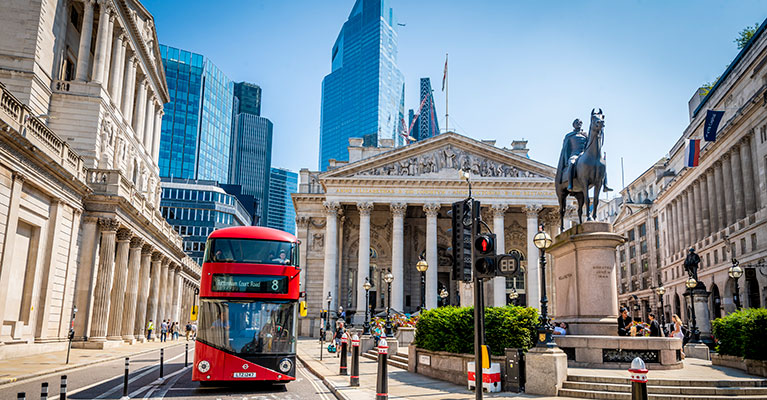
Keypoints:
pixel 124 235
pixel 725 155
pixel 136 242
pixel 146 249
pixel 431 209
pixel 532 210
pixel 365 207
pixel 18 176
pixel 398 209
pixel 109 224
pixel 499 210
pixel 332 208
pixel 302 221
pixel 157 256
pixel 88 2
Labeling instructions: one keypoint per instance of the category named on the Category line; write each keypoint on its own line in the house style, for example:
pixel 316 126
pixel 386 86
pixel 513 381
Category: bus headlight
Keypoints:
pixel 286 365
pixel 203 366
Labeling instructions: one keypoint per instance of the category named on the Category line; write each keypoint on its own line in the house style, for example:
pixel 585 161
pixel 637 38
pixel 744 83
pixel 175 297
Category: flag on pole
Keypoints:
pixel 444 74
pixel 692 155
pixel 712 124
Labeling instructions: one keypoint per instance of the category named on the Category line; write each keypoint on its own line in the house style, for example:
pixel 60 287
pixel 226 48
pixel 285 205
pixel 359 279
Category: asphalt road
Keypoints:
pixel 105 381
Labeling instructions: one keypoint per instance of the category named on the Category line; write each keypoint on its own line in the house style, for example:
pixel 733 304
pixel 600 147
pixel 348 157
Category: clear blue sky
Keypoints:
pixel 517 69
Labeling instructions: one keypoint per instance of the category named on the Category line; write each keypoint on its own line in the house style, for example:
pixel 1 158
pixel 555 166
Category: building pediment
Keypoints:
pixel 441 157
pixel 627 210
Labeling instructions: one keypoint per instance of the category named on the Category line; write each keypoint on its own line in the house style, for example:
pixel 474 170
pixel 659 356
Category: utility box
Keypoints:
pixel 515 371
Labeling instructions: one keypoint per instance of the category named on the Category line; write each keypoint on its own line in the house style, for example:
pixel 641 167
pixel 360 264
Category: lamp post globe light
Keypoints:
pixel 388 278
pixel 513 296
pixel 691 283
pixel 660 291
pixel 443 295
pixel 735 273
pixel 422 266
pixel 542 241
pixel 366 324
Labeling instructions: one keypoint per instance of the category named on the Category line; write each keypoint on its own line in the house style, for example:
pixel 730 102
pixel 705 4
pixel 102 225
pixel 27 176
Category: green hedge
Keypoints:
pixel 742 333
pixel 451 329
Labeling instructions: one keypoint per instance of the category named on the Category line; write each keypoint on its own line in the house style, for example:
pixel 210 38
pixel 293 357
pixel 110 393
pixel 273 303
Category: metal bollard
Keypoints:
pixel 344 342
pixel 638 373
pixel 186 355
pixel 162 357
pixel 382 383
pixel 354 378
pixel 125 377
pixel 63 391
pixel 44 391
pixel 21 396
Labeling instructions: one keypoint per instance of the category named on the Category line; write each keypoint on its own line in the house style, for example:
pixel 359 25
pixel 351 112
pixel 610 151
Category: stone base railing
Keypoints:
pixel 618 351
pixel 449 367
pixel 753 367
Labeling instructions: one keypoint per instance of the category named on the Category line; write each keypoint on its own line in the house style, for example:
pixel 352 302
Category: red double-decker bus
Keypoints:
pixel 248 306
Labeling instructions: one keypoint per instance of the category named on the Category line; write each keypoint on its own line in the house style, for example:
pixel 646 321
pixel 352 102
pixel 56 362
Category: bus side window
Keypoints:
pixel 295 259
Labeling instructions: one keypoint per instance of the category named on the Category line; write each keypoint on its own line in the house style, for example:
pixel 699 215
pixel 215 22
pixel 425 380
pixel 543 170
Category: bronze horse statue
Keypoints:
pixel 589 172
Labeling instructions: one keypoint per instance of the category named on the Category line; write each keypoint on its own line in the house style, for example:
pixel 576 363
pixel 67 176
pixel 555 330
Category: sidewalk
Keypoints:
pixel 22 368
pixel 402 384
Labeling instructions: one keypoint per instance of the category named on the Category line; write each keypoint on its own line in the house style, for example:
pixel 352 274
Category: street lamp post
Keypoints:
pixel 691 283
pixel 735 273
pixel 660 291
pixel 325 326
pixel 542 241
pixel 388 278
pixel 422 266
pixel 366 324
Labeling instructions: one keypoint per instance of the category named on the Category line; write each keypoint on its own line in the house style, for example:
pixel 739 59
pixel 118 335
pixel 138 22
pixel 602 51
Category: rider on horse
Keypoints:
pixel 572 148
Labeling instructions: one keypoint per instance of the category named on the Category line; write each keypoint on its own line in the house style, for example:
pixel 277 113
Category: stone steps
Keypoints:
pixel 672 382
pixel 598 387
pixel 593 394
pixel 685 390
pixel 395 360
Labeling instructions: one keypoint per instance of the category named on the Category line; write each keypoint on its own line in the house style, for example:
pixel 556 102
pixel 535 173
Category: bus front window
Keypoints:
pixel 249 251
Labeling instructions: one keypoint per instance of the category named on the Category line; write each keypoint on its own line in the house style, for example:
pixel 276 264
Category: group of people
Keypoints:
pixel 625 324
pixel 171 328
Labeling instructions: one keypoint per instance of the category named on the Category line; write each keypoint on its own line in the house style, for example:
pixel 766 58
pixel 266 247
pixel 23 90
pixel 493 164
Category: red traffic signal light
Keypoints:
pixel 485 244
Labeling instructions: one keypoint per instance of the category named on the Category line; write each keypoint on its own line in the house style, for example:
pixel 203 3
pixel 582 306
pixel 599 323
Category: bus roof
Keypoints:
pixel 253 232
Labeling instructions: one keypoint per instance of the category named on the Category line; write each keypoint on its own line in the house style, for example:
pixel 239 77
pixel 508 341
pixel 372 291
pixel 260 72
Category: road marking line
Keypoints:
pixel 170 384
pixel 314 382
pixel 119 387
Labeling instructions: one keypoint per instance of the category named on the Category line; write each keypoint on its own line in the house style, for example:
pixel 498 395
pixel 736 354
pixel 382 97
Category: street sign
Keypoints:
pixel 508 264
pixel 193 316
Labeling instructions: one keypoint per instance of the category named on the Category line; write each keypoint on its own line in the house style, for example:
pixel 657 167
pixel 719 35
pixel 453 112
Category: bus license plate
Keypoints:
pixel 244 374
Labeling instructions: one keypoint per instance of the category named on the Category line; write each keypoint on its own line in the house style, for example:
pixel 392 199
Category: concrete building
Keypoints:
pixel 82 96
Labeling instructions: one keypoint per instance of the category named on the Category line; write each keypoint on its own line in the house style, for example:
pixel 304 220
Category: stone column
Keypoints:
pixel 748 175
pixel 130 294
pixel 756 170
pixel 48 279
pixel 737 182
pixel 109 51
pixel 704 209
pixel 139 111
pixel 118 64
pixel 116 303
pixel 674 242
pixel 330 280
pixel 397 255
pixel 129 88
pixel 174 294
pixel 100 315
pixel 720 198
pixel 692 210
pixel 363 257
pixel 729 201
pixel 499 282
pixel 140 317
pixel 699 212
pixel 162 293
pixel 154 290
pixel 713 207
pixel 157 135
pixel 680 223
pixel 533 284
pixel 168 300
pixel 149 123
pixel 685 219
pixel 432 211
pixel 84 50
pixel 100 55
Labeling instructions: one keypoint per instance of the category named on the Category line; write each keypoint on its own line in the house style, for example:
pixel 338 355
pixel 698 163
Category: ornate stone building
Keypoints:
pixel 388 206
pixel 82 94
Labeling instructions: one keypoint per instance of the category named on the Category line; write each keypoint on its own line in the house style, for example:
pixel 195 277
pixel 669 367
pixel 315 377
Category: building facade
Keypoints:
pixel 251 149
pixel 364 93
pixel 426 124
pixel 197 208
pixel 83 96
pixel 197 126
pixel 387 207
pixel 282 184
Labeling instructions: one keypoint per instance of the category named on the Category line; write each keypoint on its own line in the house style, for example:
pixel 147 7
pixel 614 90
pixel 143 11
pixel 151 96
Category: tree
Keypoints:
pixel 745 35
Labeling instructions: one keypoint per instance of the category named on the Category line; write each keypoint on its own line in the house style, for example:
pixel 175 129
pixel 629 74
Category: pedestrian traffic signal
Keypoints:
pixel 463 214
pixel 484 255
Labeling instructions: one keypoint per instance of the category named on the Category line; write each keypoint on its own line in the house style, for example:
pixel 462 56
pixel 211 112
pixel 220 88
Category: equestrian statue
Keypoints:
pixel 582 167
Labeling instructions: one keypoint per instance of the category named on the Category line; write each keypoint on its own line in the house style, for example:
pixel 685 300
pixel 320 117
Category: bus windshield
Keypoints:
pixel 250 251
pixel 248 327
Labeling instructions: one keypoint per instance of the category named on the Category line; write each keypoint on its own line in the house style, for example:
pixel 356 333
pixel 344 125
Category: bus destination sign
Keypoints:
pixel 249 284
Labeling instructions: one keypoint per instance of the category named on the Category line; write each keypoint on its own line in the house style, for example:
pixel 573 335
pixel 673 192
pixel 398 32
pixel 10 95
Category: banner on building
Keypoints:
pixel 692 155
pixel 712 124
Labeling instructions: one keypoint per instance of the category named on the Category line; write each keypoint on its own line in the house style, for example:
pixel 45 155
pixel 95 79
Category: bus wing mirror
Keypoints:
pixel 302 308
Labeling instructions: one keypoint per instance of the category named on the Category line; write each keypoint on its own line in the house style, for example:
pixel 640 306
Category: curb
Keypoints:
pixel 333 389
pixel 7 381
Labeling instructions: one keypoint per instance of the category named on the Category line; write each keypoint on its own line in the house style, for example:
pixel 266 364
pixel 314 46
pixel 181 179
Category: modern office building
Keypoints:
pixel 282 184
pixel 426 124
pixel 363 96
pixel 195 208
pixel 197 125
pixel 251 148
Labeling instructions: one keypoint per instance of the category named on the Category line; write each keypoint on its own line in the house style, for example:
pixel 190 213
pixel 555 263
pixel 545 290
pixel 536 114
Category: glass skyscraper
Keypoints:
pixel 251 147
pixel 197 125
pixel 426 124
pixel 282 215
pixel 363 96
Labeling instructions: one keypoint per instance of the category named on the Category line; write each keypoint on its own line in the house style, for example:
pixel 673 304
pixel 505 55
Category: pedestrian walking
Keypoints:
pixel 175 331
pixel 188 329
pixel 164 331
pixel 149 329
pixel 194 331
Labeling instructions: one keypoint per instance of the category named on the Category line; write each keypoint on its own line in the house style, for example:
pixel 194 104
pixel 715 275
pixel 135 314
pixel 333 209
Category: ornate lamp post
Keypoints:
pixel 443 295
pixel 691 283
pixel 660 291
pixel 513 296
pixel 327 313
pixel 366 324
pixel 542 241
pixel 422 266
pixel 735 273
pixel 388 278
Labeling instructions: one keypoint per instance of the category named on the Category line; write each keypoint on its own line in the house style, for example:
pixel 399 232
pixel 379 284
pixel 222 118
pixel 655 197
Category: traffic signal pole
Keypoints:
pixel 479 306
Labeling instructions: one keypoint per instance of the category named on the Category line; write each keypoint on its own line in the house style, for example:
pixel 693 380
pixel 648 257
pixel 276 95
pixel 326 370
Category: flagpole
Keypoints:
pixel 447 129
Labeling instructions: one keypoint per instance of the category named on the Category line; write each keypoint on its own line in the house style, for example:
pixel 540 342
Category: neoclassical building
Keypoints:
pixel 82 90
pixel 388 206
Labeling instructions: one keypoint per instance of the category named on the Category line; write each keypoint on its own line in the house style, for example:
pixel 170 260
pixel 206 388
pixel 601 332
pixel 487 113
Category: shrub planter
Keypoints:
pixel 449 367
pixel 728 361
pixel 756 367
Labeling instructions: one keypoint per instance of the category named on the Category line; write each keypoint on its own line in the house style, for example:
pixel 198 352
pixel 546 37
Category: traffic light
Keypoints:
pixel 463 214
pixel 484 255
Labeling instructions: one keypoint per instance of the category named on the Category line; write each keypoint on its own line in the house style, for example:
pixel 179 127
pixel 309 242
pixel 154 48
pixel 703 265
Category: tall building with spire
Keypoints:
pixel 426 124
pixel 363 96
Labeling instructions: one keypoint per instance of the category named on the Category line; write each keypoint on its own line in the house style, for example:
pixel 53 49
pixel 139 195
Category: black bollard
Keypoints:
pixel 186 355
pixel 638 373
pixel 354 378
pixel 344 342
pixel 63 391
pixel 125 377
pixel 382 383
pixel 21 396
pixel 162 356
pixel 44 391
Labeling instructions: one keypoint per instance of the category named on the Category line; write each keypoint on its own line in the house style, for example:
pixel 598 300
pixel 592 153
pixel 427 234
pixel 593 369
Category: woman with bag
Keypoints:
pixel 677 332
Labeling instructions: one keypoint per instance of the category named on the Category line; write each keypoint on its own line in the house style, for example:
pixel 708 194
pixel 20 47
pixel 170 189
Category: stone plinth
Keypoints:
pixel 545 369
pixel 618 351
pixel 405 336
pixel 697 350
pixel 584 278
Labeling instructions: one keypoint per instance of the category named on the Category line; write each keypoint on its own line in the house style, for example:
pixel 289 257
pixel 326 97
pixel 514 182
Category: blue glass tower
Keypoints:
pixel 282 215
pixel 363 96
pixel 197 125
pixel 426 124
